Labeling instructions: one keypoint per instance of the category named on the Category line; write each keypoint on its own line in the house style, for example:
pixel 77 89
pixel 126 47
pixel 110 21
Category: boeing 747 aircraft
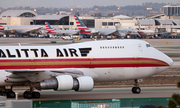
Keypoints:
pixel 77 66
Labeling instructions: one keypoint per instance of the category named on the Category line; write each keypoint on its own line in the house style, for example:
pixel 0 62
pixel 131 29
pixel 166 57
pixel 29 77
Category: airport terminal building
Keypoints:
pixel 160 22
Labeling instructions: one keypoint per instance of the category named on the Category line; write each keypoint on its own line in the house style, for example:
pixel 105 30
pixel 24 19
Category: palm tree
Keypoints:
pixel 178 84
pixel 172 104
pixel 176 98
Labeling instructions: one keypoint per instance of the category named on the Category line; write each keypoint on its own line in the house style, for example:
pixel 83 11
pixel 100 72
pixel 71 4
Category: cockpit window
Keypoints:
pixel 148 45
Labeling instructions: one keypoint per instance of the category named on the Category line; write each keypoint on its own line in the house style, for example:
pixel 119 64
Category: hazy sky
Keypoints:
pixel 76 3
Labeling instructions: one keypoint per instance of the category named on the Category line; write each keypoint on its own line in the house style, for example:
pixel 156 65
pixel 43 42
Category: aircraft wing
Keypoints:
pixel 31 30
pixel 40 75
pixel 107 31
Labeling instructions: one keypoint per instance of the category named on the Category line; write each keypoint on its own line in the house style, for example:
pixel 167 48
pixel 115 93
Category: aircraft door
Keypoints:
pixel 140 47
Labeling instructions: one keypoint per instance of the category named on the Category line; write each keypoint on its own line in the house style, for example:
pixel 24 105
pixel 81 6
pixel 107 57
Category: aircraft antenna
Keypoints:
pixel 19 44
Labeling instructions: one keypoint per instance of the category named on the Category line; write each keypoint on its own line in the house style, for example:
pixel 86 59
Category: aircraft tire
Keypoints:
pixel 11 94
pixel 29 95
pixel 25 94
pixel 3 93
pixel 133 89
pixel 36 95
pixel 136 90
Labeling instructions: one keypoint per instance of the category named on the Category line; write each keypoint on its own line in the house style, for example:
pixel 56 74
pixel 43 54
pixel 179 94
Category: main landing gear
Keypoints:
pixel 28 94
pixel 9 93
pixel 136 89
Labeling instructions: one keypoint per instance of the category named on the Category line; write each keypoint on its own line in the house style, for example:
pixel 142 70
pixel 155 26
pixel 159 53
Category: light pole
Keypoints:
pixel 132 103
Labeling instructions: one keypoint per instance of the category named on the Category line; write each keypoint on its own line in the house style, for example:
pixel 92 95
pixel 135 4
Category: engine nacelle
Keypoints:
pixel 66 82
pixel 43 32
pixel 85 83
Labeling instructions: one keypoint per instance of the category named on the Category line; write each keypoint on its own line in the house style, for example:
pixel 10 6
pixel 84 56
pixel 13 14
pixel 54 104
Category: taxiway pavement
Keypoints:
pixel 105 93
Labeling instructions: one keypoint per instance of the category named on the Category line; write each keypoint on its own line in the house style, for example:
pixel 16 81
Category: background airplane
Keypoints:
pixel 50 30
pixel 24 29
pixel 123 32
pixel 146 33
pixel 77 66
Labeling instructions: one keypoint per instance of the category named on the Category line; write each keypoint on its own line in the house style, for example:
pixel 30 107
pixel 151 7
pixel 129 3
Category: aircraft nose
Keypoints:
pixel 169 61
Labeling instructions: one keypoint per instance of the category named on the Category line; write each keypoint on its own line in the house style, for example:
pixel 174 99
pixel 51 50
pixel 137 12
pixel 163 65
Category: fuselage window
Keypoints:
pixel 148 45
pixel 112 47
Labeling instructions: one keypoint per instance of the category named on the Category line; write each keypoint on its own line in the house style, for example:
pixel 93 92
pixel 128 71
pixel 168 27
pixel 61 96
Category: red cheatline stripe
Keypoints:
pixel 76 19
pixel 77 59
pixel 1 29
pixel 78 66
pixel 1 26
pixel 79 25
pixel 139 62
pixel 77 22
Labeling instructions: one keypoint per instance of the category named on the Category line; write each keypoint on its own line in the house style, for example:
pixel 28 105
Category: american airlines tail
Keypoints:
pixel 1 28
pixel 81 26
pixel 49 28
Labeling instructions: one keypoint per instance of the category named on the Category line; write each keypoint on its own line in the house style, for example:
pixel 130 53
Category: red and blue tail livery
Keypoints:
pixel 1 28
pixel 81 26
pixel 49 28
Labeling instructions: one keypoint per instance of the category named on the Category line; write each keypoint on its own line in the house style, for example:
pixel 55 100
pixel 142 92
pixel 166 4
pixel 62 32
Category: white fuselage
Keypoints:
pixel 24 29
pixel 65 32
pixel 110 60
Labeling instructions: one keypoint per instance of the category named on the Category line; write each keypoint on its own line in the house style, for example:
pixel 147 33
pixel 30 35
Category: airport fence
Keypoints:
pixel 102 103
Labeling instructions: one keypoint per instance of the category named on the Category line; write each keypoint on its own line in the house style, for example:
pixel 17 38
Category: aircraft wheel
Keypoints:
pixel 25 94
pixel 133 89
pixel 36 94
pixel 11 94
pixel 29 95
pixel 3 93
pixel 136 90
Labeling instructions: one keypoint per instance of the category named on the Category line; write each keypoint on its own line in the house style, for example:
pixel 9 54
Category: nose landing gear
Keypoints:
pixel 136 89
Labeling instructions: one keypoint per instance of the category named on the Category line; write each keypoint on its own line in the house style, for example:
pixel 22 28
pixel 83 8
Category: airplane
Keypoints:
pixel 77 66
pixel 146 33
pixel 123 32
pixel 1 28
pixel 50 30
pixel 24 29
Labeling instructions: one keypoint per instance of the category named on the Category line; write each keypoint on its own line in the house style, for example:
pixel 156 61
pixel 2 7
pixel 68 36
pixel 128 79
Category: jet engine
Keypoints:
pixel 67 82
pixel 43 32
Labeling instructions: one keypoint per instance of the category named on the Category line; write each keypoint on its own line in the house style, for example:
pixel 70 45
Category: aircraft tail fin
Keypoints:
pixel 139 25
pixel 1 28
pixel 48 27
pixel 81 26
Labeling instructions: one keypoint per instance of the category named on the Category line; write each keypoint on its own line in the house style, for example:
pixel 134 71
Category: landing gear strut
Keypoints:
pixel 136 89
pixel 31 94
